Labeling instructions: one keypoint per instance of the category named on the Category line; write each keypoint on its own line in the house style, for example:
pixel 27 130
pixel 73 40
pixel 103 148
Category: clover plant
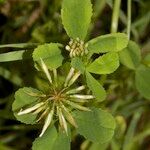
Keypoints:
pixel 94 89
pixel 67 103
pixel 70 93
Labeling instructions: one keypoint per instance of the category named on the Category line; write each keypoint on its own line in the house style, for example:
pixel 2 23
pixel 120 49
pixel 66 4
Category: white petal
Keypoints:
pixel 28 110
pixel 69 116
pixel 47 122
pixel 71 54
pixel 70 74
pixel 77 100
pixel 77 106
pixel 62 120
pixel 74 78
pixel 42 115
pixel 55 76
pixel 64 124
pixel 71 42
pixel 67 48
pixel 38 110
pixel 45 69
pixel 82 96
pixel 80 88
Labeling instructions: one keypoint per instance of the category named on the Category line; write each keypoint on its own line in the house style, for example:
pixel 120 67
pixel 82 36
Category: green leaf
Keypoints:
pixel 50 53
pixel 52 140
pixel 10 76
pixel 96 88
pixel 19 45
pixel 108 43
pixel 46 141
pixel 131 55
pixel 23 99
pixel 15 55
pixel 105 64
pixel 142 80
pixel 62 141
pixel 77 63
pixel 96 125
pixel 76 17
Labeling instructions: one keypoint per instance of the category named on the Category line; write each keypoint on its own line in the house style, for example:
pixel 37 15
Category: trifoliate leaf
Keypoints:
pixel 23 97
pixel 142 80
pixel 52 140
pixel 77 63
pixel 76 17
pixel 131 55
pixel 105 64
pixel 96 88
pixel 50 54
pixel 95 125
pixel 108 43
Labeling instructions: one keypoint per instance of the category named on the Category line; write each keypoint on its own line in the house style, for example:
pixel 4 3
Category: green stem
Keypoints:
pixel 114 22
pixel 115 16
pixel 129 18
pixel 127 144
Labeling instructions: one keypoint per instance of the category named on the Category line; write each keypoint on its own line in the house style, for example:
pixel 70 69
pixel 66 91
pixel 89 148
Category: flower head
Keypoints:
pixel 58 103
pixel 77 47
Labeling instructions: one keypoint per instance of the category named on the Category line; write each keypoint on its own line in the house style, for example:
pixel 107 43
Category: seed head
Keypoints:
pixel 58 103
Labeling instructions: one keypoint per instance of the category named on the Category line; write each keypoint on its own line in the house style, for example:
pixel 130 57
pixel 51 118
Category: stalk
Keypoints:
pixel 129 18
pixel 115 16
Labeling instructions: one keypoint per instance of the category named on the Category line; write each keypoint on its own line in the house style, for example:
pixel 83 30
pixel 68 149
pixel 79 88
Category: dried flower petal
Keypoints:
pixel 45 69
pixel 48 120
pixel 29 110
